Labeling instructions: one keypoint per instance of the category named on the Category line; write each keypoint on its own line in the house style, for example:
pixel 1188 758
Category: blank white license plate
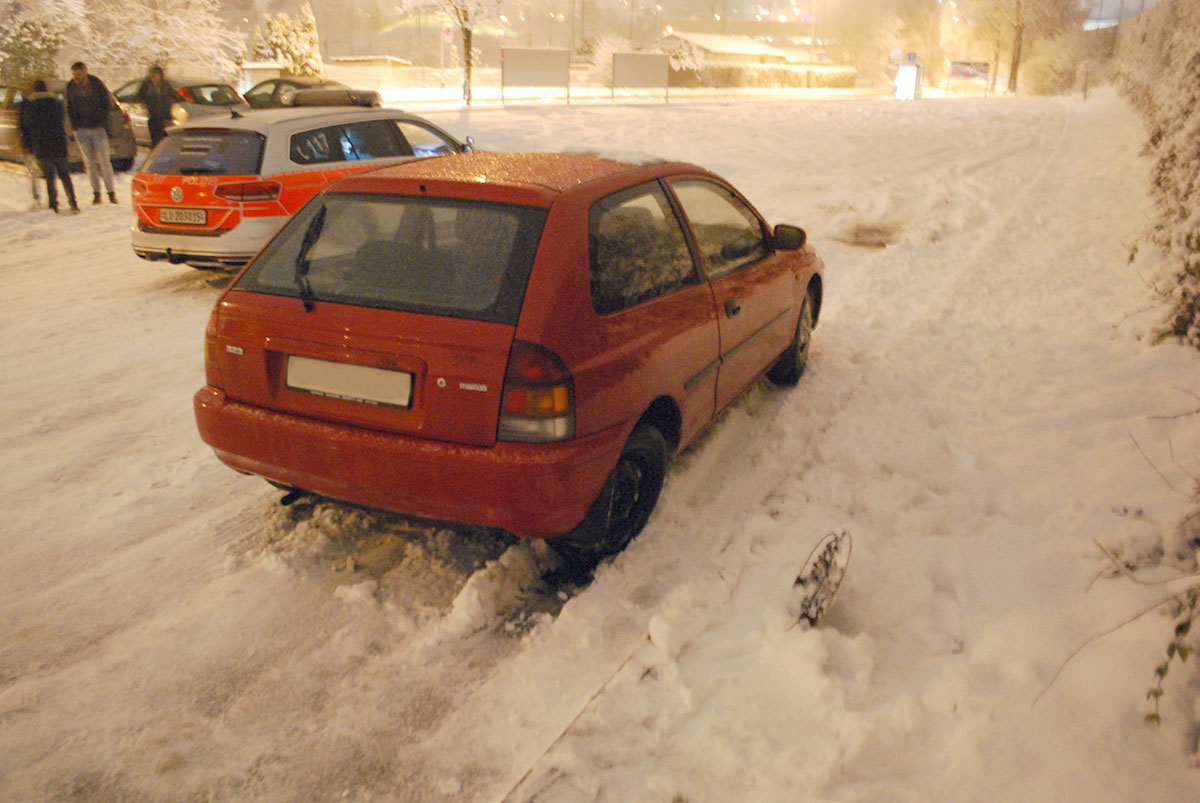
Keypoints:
pixel 343 380
pixel 193 217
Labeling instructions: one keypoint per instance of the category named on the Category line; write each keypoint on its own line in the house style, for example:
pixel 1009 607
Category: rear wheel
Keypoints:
pixel 624 504
pixel 791 364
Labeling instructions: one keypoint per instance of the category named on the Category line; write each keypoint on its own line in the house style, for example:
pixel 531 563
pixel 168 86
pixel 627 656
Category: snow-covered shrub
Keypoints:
pixel 716 75
pixel 1159 71
pixel 602 49
pixel 290 41
pixel 682 54
pixel 27 49
pixel 129 35
pixel 1051 70
pixel 32 36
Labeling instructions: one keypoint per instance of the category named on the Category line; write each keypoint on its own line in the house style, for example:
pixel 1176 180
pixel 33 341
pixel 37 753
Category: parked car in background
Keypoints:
pixel 215 189
pixel 192 99
pixel 121 144
pixel 302 90
pixel 519 341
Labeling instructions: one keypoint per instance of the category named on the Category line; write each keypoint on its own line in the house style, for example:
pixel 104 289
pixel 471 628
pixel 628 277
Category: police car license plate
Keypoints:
pixel 191 217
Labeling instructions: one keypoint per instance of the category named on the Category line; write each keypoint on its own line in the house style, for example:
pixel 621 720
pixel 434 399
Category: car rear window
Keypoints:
pixel 463 259
pixel 210 94
pixel 206 152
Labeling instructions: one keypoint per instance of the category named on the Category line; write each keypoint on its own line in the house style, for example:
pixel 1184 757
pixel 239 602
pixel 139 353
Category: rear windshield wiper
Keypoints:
pixel 310 237
pixel 200 171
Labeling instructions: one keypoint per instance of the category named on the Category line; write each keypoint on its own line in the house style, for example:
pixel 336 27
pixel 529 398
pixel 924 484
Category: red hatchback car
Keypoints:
pixel 519 341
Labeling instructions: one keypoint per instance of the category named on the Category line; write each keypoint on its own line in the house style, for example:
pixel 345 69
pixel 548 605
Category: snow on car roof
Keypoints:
pixel 263 120
pixel 552 172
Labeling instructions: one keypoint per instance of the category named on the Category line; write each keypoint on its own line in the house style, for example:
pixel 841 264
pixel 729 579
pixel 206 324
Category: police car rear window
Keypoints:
pixel 200 152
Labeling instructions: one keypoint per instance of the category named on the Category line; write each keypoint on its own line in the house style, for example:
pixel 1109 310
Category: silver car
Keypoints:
pixel 193 99
pixel 122 147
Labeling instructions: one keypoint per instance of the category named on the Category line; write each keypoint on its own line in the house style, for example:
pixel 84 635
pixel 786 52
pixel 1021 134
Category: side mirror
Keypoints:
pixel 789 238
pixel 469 146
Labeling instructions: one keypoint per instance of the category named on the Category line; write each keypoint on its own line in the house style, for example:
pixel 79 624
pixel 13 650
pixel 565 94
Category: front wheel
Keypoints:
pixel 624 504
pixel 791 364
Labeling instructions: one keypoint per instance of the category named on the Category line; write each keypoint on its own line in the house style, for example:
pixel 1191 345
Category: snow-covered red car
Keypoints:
pixel 216 189
pixel 519 341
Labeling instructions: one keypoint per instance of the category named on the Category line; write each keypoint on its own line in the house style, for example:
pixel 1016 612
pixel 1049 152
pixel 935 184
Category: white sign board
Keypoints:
pixel 521 66
pixel 640 70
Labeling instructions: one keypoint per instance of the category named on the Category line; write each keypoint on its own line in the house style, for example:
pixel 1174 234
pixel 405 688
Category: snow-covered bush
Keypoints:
pixel 27 49
pixel 682 54
pixel 1159 71
pixel 32 33
pixel 186 36
pixel 1052 68
pixel 290 41
pixel 602 49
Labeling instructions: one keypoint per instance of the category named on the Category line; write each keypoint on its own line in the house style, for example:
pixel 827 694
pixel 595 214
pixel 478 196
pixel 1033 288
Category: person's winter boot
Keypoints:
pixel 112 197
pixel 54 208
pixel 95 198
pixel 74 206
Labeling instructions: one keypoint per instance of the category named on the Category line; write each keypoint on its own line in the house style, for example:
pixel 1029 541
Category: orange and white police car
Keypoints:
pixel 215 190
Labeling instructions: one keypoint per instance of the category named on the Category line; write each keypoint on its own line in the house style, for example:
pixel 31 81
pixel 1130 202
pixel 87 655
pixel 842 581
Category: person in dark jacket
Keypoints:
pixel 88 103
pixel 44 134
pixel 158 95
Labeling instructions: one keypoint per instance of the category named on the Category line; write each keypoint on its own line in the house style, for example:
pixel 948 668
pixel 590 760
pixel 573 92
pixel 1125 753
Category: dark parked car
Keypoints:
pixel 302 90
pixel 122 147
pixel 519 341
pixel 192 99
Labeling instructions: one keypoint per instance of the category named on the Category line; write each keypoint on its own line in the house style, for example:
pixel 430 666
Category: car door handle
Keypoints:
pixel 732 307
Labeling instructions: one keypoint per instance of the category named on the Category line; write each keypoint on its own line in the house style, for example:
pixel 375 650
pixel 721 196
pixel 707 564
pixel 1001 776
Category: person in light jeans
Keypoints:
pixel 88 104
pixel 32 166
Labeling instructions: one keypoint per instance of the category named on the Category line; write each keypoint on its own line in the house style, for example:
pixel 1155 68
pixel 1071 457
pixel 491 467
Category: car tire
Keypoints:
pixel 625 502
pixel 122 165
pixel 791 364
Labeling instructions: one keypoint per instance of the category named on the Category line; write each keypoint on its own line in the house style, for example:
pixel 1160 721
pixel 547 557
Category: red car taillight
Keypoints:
pixel 538 401
pixel 138 188
pixel 212 361
pixel 246 191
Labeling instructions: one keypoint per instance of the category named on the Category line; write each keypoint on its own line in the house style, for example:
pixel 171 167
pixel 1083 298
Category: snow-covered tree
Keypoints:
pixel 291 41
pixel 186 35
pixel 1015 22
pixel 32 33
pixel 465 15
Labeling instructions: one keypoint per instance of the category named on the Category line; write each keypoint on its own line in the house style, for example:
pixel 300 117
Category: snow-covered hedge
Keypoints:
pixel 765 76
pixel 1159 72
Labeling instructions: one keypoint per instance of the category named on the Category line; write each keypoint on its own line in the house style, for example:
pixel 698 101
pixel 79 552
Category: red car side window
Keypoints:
pixel 728 232
pixel 638 251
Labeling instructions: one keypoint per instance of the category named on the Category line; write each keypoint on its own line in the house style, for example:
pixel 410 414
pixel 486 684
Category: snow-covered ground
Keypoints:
pixel 983 406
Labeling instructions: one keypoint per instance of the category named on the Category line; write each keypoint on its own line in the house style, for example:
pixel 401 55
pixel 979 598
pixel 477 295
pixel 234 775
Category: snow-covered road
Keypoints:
pixel 980 406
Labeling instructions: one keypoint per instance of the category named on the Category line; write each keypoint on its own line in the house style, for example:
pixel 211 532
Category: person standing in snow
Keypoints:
pixel 43 134
pixel 88 104
pixel 159 96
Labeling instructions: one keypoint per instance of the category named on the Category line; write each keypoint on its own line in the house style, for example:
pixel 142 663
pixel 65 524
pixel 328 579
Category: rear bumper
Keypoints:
pixel 530 490
pixel 231 249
